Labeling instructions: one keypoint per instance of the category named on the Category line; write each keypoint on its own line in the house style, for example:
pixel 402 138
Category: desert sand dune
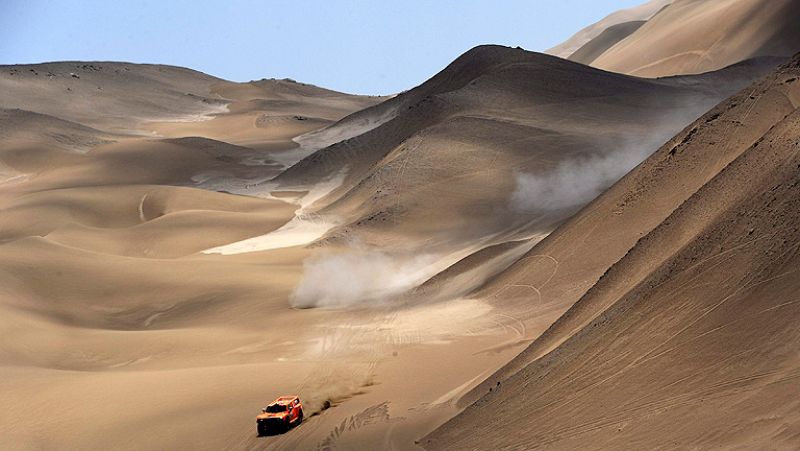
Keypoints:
pixel 111 311
pixel 157 225
pixel 107 95
pixel 269 114
pixel 695 36
pixel 25 127
pixel 694 309
pixel 507 135
pixel 582 37
pixel 604 41
pixel 108 311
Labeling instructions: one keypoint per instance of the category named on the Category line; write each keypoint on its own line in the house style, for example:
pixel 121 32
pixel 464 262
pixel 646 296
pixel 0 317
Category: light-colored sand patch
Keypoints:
pixel 9 179
pixel 304 228
pixel 142 216
pixel 299 231
pixel 8 175
pixel 131 362
pixel 345 129
pixel 144 127
pixel 320 190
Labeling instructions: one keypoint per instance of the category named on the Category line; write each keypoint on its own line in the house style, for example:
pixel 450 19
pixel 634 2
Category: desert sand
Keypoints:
pixel 682 282
pixel 695 36
pixel 638 13
pixel 604 41
pixel 462 265
pixel 150 266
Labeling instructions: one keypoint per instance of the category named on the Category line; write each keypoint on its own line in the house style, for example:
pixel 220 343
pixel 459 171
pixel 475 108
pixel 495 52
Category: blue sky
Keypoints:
pixel 364 47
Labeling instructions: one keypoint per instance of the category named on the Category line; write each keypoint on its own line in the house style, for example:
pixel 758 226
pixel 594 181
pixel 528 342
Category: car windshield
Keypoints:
pixel 275 408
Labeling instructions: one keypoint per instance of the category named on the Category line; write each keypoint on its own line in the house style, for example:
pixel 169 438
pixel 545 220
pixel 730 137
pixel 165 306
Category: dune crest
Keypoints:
pixel 691 37
pixel 686 306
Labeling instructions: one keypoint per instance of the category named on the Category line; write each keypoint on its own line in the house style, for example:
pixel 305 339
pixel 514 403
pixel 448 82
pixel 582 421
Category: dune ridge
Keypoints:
pixel 691 37
pixel 704 282
pixel 592 256
pixel 642 12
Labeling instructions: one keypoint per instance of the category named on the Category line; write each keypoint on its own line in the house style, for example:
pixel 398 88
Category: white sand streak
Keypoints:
pixel 303 229
pixel 299 231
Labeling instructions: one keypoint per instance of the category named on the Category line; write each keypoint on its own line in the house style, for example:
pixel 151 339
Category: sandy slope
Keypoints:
pixel 604 41
pixel 119 328
pixel 688 338
pixel 115 333
pixel 502 145
pixel 582 37
pixel 694 36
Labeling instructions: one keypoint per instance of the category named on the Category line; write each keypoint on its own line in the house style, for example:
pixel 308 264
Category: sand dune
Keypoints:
pixel 518 140
pixel 176 250
pixel 582 37
pixel 694 309
pixel 604 41
pixel 108 306
pixel 107 95
pixel 26 128
pixel 692 36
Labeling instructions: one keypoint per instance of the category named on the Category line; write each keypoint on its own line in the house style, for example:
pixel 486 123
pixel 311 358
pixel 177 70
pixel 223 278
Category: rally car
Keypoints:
pixel 280 415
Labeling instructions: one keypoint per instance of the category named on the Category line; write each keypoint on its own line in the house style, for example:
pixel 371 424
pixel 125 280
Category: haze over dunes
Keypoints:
pixel 525 251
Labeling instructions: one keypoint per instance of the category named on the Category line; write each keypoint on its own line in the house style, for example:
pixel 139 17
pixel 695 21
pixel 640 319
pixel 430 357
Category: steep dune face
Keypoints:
pixel 604 41
pixel 502 145
pixel 694 311
pixel 695 36
pixel 582 37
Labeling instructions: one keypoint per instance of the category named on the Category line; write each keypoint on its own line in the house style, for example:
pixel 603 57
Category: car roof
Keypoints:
pixel 284 400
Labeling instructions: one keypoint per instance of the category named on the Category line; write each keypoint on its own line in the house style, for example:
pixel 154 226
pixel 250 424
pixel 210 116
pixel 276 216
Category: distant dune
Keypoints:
pixel 579 39
pixel 604 41
pixel 503 145
pixel 693 36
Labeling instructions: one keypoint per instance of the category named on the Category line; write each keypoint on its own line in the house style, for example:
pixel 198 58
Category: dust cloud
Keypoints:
pixel 574 183
pixel 357 276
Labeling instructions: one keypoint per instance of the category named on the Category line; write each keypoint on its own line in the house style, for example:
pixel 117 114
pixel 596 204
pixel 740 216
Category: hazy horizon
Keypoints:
pixel 356 47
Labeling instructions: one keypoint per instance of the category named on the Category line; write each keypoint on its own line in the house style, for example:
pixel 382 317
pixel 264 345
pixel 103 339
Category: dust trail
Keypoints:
pixel 573 183
pixel 357 276
pixel 360 275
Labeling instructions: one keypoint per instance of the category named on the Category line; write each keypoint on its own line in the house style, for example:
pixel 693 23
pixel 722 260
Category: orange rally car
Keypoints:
pixel 280 415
